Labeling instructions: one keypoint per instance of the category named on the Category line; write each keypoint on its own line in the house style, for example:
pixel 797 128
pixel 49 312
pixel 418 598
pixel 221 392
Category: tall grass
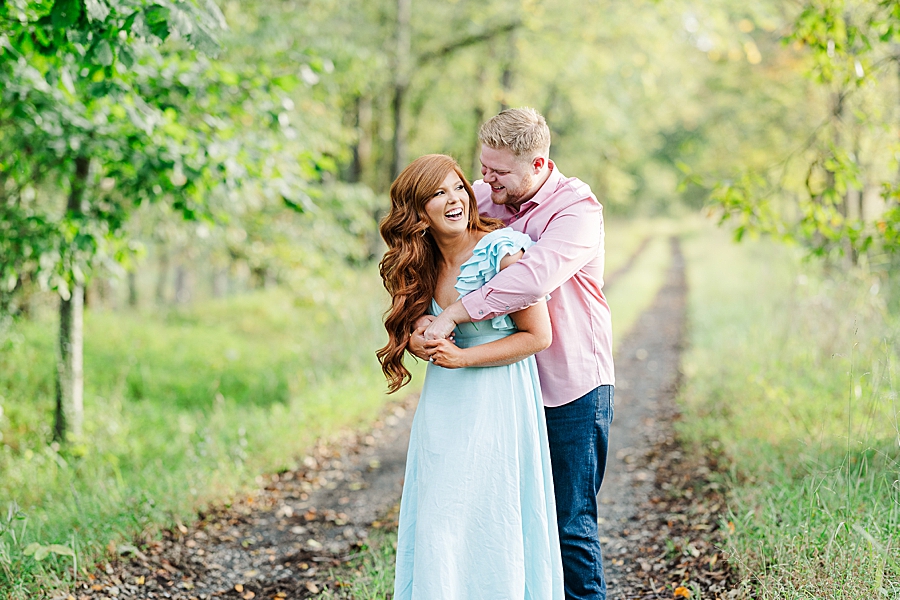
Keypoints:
pixel 790 373
pixel 183 408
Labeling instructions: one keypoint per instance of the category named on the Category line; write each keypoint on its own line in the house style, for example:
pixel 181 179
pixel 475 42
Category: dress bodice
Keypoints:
pixel 480 268
pixel 474 334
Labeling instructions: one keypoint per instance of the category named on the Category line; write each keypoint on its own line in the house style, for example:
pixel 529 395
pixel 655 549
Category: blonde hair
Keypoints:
pixel 523 131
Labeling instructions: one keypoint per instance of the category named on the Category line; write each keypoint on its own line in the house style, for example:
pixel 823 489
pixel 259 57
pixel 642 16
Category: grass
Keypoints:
pixel 623 236
pixel 369 575
pixel 635 290
pixel 183 408
pixel 790 373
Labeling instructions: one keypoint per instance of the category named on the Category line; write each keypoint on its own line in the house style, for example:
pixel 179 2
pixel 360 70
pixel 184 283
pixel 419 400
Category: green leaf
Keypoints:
pixel 157 20
pixel 97 10
pixel 65 13
pixel 41 553
pixel 126 56
pixel 103 54
pixel 31 548
pixel 60 549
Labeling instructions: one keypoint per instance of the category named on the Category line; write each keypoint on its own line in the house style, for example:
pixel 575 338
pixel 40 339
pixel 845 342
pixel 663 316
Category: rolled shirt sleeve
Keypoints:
pixel 570 240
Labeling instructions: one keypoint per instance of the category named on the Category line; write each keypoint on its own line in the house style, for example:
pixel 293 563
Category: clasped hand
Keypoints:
pixel 443 352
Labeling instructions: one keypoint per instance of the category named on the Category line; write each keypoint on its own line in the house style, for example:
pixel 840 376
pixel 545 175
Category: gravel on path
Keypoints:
pixel 661 509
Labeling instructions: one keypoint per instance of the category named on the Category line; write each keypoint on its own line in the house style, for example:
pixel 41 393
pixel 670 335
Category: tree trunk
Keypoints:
pixel 182 290
pixel 400 85
pixel 132 289
pixel 478 116
pixel 69 415
pixel 506 76
pixel 163 275
pixel 362 149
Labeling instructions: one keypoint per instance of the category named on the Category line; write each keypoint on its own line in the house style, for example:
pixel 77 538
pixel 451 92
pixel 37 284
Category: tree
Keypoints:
pixel 824 192
pixel 87 132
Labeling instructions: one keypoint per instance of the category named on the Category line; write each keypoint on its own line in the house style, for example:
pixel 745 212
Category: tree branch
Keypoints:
pixel 470 40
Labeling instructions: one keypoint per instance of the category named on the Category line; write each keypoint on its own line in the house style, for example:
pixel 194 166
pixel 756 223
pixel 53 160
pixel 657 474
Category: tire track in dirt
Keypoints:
pixel 660 508
pixel 282 540
pixel 613 277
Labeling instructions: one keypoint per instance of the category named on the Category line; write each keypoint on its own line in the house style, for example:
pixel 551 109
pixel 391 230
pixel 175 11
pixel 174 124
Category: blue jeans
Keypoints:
pixel 579 438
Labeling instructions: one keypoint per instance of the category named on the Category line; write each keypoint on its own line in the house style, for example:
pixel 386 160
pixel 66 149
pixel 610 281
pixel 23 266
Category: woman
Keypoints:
pixel 477 517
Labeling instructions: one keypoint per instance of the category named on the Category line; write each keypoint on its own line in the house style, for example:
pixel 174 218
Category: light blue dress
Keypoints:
pixel 477 517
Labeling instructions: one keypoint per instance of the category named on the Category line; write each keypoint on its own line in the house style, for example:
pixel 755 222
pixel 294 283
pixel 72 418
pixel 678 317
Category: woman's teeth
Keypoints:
pixel 453 214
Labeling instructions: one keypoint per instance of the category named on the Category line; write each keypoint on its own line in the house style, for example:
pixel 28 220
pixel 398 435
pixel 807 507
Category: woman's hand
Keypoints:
pixel 416 344
pixel 444 353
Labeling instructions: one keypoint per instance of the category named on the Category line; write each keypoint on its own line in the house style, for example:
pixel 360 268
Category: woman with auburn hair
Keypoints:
pixel 477 516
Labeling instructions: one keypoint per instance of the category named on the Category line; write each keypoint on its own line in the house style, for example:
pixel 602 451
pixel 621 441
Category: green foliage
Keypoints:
pixel 790 371
pixel 184 408
pixel 818 192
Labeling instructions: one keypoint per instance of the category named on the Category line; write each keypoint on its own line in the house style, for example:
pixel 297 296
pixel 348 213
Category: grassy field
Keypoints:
pixel 183 408
pixel 791 373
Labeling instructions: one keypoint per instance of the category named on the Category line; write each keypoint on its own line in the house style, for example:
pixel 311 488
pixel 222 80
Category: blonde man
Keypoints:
pixel 522 187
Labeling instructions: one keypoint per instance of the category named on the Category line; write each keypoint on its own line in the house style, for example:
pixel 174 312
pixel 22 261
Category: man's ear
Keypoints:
pixel 538 163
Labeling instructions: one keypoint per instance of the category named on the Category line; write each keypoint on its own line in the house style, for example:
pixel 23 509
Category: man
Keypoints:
pixel 522 187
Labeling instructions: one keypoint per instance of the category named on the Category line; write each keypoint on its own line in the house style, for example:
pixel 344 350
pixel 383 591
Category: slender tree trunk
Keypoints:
pixel 162 278
pixel 69 415
pixel 478 116
pixel 182 293
pixel 506 76
pixel 401 85
pixel 132 289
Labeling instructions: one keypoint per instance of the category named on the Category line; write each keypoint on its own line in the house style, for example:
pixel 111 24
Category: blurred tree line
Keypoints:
pixel 152 151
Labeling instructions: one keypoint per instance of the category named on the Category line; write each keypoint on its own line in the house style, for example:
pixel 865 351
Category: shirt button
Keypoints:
pixel 480 312
pixel 507 308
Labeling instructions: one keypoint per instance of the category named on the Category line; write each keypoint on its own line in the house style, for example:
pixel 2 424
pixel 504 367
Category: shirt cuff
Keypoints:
pixel 476 306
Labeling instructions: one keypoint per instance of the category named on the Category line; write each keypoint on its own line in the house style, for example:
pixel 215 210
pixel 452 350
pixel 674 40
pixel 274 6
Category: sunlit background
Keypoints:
pixel 209 178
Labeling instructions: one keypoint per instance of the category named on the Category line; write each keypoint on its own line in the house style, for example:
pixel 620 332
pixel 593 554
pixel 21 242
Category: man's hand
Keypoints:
pixel 443 324
pixel 416 345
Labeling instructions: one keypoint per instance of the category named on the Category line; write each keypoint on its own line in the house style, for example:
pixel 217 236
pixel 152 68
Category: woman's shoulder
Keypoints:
pixel 504 237
pixel 485 260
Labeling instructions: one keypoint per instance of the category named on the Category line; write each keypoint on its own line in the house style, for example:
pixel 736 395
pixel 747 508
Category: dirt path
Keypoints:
pixel 658 515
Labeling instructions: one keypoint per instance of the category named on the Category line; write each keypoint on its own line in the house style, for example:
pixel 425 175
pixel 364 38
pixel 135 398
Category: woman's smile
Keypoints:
pixel 447 209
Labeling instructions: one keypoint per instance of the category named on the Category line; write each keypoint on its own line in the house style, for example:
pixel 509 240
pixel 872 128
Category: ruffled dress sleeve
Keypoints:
pixel 485 263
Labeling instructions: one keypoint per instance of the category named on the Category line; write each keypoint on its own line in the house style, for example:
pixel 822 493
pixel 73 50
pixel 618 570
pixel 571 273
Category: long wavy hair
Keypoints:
pixel 410 266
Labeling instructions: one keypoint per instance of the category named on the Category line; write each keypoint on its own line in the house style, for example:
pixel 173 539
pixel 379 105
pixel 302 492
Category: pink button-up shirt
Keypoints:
pixel 566 221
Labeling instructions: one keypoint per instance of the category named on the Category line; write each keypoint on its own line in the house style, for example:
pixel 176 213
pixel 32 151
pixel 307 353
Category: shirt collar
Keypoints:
pixel 548 188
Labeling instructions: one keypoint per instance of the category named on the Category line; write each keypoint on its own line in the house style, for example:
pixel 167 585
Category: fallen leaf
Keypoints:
pixel 682 592
pixel 312 588
pixel 248 596
pixel 238 588
pixel 139 580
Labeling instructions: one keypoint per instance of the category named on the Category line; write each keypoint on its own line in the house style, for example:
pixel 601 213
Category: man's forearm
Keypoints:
pixel 444 323
pixel 457 313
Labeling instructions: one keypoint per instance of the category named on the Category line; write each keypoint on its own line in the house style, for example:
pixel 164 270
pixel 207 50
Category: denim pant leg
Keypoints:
pixel 579 438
